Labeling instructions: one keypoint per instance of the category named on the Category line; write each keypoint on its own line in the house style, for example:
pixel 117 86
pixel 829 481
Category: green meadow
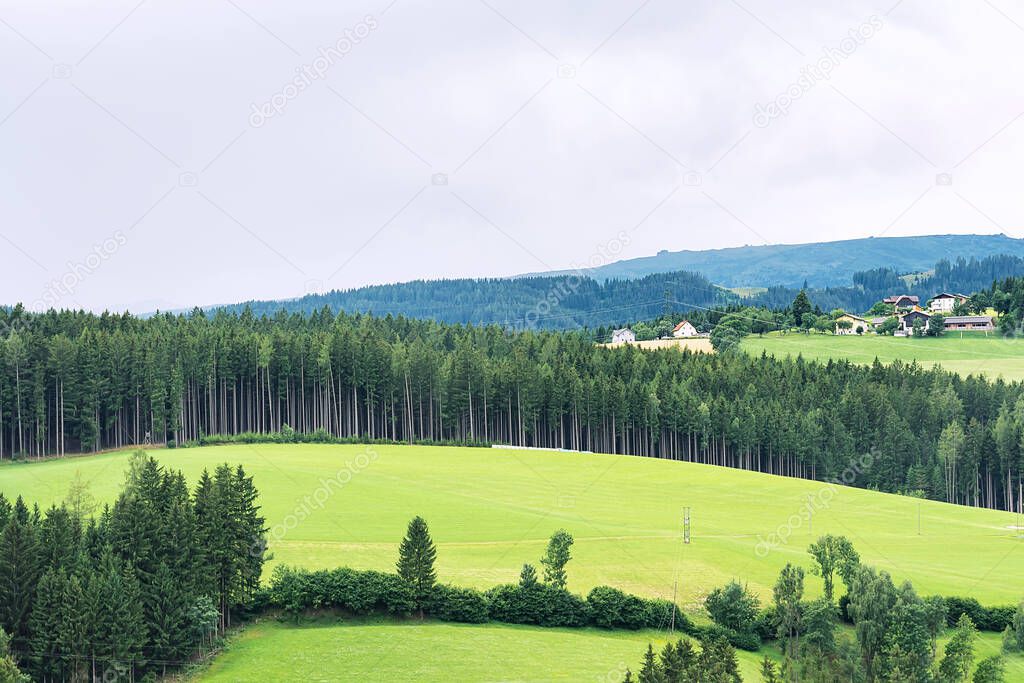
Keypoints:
pixel 435 651
pixel 969 353
pixel 432 651
pixel 492 510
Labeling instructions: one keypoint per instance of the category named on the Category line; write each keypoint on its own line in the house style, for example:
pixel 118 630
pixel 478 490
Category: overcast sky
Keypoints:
pixel 167 154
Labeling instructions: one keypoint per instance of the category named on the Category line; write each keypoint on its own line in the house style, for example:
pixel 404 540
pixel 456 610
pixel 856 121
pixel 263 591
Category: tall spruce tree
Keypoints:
pixel 20 567
pixel 416 556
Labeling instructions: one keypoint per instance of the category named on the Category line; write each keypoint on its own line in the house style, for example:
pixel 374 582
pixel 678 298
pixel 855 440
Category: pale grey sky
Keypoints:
pixel 161 153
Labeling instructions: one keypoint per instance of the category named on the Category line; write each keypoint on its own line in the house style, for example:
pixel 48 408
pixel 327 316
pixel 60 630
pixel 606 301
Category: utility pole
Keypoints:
pixel 810 511
pixel 672 626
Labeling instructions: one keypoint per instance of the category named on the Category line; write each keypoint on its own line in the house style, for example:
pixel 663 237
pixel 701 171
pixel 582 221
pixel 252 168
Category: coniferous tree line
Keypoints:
pixel 961 276
pixel 81 382
pixel 546 302
pixel 136 588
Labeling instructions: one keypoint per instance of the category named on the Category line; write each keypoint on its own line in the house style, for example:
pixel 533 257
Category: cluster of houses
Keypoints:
pixel 683 330
pixel 909 312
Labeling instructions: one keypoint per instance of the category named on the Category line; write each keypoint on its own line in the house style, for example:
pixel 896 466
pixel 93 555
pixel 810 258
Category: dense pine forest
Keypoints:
pixel 80 382
pixel 135 590
pixel 543 302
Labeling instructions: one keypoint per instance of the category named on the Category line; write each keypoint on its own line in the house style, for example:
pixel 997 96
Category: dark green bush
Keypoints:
pixel 356 592
pixel 451 603
pixel 611 608
pixel 767 623
pixel 539 604
pixel 984 618
pixel 658 614
pixel 743 641
pixel 295 591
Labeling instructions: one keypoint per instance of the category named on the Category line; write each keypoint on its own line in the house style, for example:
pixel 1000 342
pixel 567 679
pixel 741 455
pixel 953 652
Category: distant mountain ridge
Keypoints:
pixel 820 264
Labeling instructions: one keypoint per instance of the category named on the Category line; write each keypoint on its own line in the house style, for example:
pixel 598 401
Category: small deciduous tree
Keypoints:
pixel 733 606
pixel 959 658
pixel 556 557
pixel 528 576
pixel 788 592
pixel 834 554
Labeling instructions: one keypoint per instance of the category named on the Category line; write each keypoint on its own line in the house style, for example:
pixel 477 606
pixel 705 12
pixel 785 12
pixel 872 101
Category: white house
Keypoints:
pixel 625 335
pixel 858 325
pixel 684 329
pixel 944 303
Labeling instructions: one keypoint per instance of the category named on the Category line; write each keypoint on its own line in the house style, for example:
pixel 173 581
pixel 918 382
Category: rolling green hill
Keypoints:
pixel 492 510
pixel 820 264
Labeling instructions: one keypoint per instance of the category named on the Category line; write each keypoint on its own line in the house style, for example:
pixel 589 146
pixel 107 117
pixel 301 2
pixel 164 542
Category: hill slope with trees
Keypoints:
pixel 819 264
pixel 75 381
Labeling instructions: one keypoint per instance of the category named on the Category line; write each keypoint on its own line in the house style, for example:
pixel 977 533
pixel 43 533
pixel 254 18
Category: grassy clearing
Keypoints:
pixel 431 651
pixel 973 353
pixel 694 344
pixel 492 510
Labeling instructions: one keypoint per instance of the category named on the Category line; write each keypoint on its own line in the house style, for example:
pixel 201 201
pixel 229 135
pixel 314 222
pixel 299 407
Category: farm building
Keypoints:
pixel 684 329
pixel 903 301
pixel 858 325
pixel 976 323
pixel 944 303
pixel 907 321
pixel 624 335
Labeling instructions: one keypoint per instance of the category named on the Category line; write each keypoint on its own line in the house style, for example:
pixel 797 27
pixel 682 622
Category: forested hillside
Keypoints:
pixel 574 301
pixel 564 302
pixel 820 264
pixel 75 381
pixel 962 276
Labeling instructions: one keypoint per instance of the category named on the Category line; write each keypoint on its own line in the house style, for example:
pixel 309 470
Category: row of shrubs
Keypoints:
pixel 995 619
pixel 984 618
pixel 370 592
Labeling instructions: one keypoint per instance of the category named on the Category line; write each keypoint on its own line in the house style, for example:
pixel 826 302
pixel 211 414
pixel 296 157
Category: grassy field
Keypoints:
pixel 467 653
pixel 695 344
pixel 492 510
pixel 970 354
pixel 432 651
